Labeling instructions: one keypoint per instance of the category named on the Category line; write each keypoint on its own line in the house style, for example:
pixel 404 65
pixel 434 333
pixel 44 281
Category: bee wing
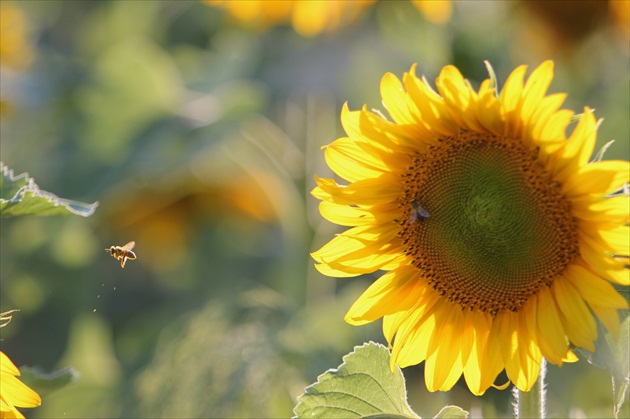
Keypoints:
pixel 422 212
pixel 129 245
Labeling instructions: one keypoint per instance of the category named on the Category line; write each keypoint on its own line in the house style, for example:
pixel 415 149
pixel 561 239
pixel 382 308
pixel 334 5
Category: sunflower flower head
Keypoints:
pixel 500 241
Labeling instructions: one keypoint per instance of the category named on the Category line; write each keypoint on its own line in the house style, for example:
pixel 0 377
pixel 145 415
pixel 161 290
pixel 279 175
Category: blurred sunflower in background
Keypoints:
pixel 313 17
pixel 15 50
pixel 500 238
pixel 308 18
pixel 563 27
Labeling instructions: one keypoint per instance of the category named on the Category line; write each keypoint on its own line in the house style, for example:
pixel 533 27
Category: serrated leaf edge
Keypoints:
pixel 31 186
pixel 336 371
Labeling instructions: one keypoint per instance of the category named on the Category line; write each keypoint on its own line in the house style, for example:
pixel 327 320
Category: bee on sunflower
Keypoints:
pixel 519 241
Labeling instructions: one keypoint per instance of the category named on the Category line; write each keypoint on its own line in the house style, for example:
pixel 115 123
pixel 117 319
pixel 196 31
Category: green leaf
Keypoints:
pixel 20 195
pixel 451 412
pixel 43 383
pixel 362 387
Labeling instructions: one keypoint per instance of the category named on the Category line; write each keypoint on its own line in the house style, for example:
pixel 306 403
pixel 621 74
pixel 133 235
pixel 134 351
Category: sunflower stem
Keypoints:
pixel 531 404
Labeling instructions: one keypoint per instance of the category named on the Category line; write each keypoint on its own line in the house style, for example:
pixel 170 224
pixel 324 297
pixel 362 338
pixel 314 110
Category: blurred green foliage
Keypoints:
pixel 201 139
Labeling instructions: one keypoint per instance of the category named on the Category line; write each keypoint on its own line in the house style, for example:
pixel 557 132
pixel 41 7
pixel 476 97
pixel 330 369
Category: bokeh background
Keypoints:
pixel 199 132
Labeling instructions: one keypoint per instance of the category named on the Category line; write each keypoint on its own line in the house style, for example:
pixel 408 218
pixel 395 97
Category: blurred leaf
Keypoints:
pixel 363 386
pixel 613 356
pixel 209 365
pixel 451 412
pixel 20 195
pixel 46 382
pixel 135 83
pixel 604 355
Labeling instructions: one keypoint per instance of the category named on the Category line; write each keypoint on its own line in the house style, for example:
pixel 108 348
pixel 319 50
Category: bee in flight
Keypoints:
pixel 122 253
pixel 418 213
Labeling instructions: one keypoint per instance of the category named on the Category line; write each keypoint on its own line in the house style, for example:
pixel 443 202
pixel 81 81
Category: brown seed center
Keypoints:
pixel 484 221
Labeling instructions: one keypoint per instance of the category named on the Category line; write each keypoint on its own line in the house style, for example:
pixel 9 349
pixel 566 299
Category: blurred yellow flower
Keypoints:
pixel 499 236
pixel 308 17
pixel 562 26
pixel 620 15
pixel 313 17
pixel 15 51
pixel 435 11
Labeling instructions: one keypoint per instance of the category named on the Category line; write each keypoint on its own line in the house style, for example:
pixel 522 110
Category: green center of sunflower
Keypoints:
pixel 484 221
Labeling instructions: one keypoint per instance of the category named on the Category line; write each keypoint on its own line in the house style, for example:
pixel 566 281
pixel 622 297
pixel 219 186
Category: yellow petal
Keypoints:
pixel 440 375
pixel 327 270
pixel 364 125
pixel 594 289
pixel 510 98
pixel 613 211
pixel 410 346
pixel 380 191
pixel 530 356
pixel 491 360
pixel 361 249
pixel 474 370
pixel 393 322
pixel 577 320
pixel 18 393
pixel 508 336
pixel 551 335
pixel 597 179
pixel 433 113
pixel 550 134
pixel 443 365
pixel 535 90
pixel 395 99
pixel 397 290
pixel 519 350
pixel 7 366
pixel 460 98
pixel 354 160
pixel 15 392
pixel 612 269
pixel 614 240
pixel 546 126
pixel 579 147
pixel 346 215
pixel 347 160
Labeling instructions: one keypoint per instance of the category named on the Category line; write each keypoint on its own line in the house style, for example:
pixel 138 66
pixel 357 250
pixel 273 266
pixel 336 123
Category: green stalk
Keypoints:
pixel 531 404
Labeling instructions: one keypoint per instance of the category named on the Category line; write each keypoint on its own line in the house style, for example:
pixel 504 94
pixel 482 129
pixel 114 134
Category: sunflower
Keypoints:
pixel 13 392
pixel 435 11
pixel 308 18
pixel 500 240
pixel 15 51
pixel 312 17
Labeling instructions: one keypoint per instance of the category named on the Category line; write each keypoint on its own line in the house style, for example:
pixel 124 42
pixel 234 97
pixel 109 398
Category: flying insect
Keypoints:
pixel 122 253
